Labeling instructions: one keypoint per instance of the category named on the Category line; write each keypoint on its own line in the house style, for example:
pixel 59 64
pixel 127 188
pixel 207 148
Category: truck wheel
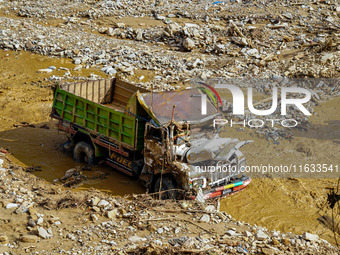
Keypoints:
pixel 168 185
pixel 84 152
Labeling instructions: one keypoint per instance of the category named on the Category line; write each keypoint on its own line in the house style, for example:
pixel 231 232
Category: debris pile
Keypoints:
pixel 104 223
pixel 218 40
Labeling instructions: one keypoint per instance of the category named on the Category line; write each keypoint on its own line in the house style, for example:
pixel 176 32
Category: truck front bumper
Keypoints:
pixel 228 189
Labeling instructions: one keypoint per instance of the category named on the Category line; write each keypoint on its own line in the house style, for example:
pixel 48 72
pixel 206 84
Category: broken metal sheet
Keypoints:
pixel 188 106
pixel 205 148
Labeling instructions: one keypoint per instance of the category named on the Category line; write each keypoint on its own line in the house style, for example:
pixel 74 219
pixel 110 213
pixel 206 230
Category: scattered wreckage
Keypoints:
pixel 159 137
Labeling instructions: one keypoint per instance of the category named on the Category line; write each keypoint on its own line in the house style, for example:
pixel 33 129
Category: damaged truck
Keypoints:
pixel 161 138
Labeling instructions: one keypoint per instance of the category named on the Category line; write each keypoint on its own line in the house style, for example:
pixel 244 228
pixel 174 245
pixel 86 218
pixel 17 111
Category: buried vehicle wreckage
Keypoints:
pixel 154 136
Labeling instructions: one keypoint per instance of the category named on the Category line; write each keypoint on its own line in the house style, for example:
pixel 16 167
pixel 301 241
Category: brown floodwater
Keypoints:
pixel 40 147
pixel 292 204
pixel 282 204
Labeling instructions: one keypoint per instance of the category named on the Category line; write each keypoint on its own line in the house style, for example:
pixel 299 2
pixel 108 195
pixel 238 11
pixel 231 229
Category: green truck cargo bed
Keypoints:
pixel 98 107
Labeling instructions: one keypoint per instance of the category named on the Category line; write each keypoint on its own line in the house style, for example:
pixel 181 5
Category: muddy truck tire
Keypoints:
pixel 84 152
pixel 166 185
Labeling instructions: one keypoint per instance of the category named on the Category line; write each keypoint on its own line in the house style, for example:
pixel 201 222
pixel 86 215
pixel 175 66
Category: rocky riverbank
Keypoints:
pixel 182 40
pixel 42 218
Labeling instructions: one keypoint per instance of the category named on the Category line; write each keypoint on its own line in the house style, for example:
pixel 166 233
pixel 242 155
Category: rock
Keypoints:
pixel 172 28
pixel 189 243
pixel 40 221
pixel 120 25
pixel 95 200
pixel 188 44
pixel 210 208
pixel 184 205
pixel 310 237
pixel 195 64
pixel 135 239
pixel 191 25
pixel 94 217
pixel 167 21
pixel 286 241
pixel 21 209
pixel 327 57
pixel 71 237
pixel 231 232
pixel 275 242
pixel 242 41
pixel 76 52
pixel 102 30
pixel 77 61
pixel 260 235
pixel 177 240
pixel 28 239
pixel 267 251
pixel 275 234
pixel 78 68
pixel 11 205
pixel 205 218
pixel 96 209
pixel 110 31
pixel 139 36
pixel 111 71
pixel 57 223
pixel 253 53
pixel 29 45
pixel 247 233
pixel 31 223
pixel 43 233
pixel 112 214
pixel 292 68
pixel 103 203
pixel 287 15
pixel 53 219
pixel 46 70
pixel 3 239
pixel 159 17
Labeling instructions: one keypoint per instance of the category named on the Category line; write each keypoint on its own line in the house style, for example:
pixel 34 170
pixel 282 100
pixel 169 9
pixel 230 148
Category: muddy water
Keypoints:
pixel 40 147
pixel 281 204
pixel 291 205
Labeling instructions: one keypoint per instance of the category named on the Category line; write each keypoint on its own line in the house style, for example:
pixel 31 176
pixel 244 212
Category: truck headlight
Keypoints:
pixel 199 182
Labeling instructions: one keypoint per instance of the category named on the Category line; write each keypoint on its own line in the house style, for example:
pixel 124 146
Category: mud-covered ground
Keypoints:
pixel 264 39
pixel 40 218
